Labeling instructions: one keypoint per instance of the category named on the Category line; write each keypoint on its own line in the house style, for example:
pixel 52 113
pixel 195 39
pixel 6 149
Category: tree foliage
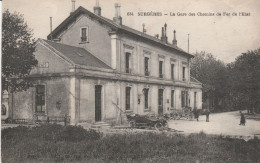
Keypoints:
pixel 18 46
pixel 234 86
pixel 213 75
pixel 245 77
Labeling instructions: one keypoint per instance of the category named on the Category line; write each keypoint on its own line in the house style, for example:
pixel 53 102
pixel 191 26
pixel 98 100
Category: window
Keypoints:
pixel 184 98
pixel 84 34
pixel 195 99
pixel 40 99
pixel 172 98
pixel 160 101
pixel 127 98
pixel 146 66
pixel 160 69
pixel 183 73
pixel 172 71
pixel 146 100
pixel 3 110
pixel 127 63
pixel 160 96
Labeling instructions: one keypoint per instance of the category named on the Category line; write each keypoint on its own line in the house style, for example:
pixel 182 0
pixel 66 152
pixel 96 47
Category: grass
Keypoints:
pixel 55 143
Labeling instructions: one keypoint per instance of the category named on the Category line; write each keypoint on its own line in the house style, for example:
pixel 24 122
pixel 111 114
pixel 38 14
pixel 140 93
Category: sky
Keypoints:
pixel 226 37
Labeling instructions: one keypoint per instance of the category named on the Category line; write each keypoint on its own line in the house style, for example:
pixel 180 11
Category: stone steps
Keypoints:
pixel 101 124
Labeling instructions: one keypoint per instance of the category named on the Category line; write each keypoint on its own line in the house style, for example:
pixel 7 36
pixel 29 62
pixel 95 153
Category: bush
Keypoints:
pixel 51 132
pixel 55 143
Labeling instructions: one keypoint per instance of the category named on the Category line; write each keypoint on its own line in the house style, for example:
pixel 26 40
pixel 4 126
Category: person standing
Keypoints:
pixel 207 115
pixel 242 119
pixel 196 114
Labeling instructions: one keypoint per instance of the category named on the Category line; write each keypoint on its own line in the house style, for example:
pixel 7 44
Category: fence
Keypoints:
pixel 40 119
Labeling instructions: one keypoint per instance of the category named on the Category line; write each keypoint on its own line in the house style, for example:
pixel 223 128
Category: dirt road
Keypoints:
pixel 220 123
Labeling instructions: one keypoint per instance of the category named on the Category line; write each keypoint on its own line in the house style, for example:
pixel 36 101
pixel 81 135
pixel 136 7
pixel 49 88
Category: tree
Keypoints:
pixel 213 75
pixel 18 46
pixel 245 74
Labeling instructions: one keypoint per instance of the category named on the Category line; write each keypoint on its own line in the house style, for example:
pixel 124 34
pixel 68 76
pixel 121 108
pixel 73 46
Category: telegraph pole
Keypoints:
pixel 188 43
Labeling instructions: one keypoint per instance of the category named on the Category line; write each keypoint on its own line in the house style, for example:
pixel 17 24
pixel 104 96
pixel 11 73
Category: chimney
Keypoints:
pixel 164 36
pixel 117 18
pixel 97 8
pixel 73 6
pixel 165 33
pixel 144 30
pixel 157 36
pixel 174 41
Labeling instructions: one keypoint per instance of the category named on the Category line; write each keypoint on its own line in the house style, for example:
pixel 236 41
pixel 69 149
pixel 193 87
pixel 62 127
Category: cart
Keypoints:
pixel 146 121
pixel 177 114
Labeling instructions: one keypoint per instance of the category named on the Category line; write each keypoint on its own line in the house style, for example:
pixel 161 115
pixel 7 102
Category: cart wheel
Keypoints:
pixel 190 117
pixel 158 126
pixel 132 124
pixel 166 125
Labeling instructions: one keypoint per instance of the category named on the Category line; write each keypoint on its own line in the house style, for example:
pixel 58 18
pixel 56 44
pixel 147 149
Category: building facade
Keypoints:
pixel 95 69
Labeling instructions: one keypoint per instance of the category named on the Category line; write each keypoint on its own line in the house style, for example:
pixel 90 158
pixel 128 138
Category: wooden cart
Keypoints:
pixel 146 121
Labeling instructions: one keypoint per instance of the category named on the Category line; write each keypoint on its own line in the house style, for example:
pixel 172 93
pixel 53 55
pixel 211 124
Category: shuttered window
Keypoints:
pixel 40 98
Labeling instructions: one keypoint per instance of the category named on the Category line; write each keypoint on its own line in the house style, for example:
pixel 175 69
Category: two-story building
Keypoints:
pixel 93 69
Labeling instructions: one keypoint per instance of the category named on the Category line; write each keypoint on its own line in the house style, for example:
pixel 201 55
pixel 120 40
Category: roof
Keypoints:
pixel 114 26
pixel 77 55
pixel 192 79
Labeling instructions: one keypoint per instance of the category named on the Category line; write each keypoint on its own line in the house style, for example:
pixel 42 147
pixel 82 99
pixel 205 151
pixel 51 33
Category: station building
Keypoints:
pixel 96 69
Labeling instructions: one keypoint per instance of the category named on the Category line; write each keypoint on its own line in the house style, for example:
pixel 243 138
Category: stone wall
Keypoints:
pixel 57 90
pixel 98 43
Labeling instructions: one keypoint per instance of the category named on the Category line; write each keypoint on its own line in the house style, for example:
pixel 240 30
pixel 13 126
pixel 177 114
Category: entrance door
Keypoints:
pixel 160 102
pixel 98 102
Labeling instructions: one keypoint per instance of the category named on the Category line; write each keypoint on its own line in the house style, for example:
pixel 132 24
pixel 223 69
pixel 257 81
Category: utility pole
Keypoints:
pixel 188 43
pixel 51 27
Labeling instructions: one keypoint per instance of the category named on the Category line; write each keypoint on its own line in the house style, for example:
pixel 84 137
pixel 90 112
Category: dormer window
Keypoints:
pixel 84 34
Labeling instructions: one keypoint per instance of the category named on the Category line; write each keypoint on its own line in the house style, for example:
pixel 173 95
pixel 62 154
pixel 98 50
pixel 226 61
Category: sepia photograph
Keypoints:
pixel 130 81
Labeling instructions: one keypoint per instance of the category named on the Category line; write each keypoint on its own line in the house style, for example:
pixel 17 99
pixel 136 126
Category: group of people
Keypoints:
pixel 207 112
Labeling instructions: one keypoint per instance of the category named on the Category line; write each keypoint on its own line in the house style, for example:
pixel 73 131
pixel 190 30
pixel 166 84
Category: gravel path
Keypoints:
pixel 220 123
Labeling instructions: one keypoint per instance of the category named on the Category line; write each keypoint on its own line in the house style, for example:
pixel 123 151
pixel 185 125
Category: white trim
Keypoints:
pixel 161 56
pixel 90 68
pixel 72 89
pixel 113 43
pixel 173 60
pixel 127 46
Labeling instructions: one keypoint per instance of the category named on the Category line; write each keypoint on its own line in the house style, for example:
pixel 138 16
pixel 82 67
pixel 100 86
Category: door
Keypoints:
pixel 98 102
pixel 160 102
